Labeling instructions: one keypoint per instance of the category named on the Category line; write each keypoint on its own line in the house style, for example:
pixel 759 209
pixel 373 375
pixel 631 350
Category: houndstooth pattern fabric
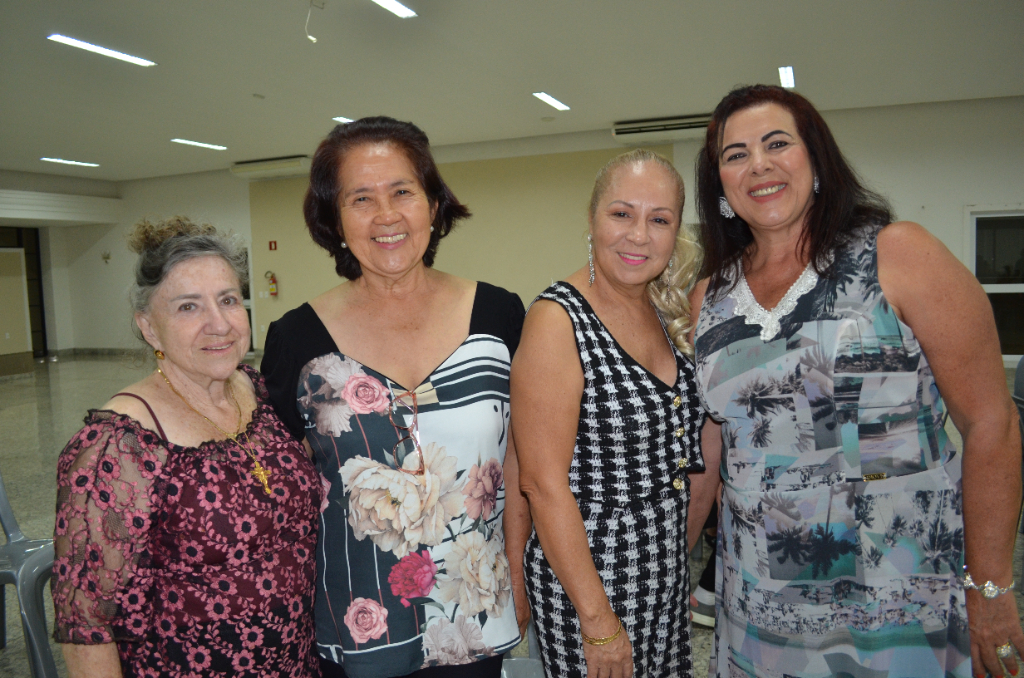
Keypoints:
pixel 636 435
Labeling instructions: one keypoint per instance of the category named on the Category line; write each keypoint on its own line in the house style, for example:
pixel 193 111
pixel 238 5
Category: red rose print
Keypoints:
pixel 413 576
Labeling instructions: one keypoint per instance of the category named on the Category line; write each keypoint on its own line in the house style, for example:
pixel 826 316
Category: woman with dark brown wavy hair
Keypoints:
pixel 397 380
pixel 855 539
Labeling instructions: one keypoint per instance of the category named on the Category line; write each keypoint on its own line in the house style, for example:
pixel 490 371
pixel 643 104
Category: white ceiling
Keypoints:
pixel 463 69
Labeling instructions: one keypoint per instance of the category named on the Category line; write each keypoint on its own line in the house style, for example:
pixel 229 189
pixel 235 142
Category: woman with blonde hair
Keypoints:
pixel 607 425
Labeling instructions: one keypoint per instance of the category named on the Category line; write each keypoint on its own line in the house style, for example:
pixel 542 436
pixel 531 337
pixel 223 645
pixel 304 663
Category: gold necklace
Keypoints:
pixel 258 470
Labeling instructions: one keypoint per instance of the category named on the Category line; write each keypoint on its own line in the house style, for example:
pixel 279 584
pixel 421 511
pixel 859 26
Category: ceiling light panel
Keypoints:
pixel 342 120
pixel 786 77
pixel 396 8
pixel 89 47
pixel 551 101
pixel 212 147
pixel 70 162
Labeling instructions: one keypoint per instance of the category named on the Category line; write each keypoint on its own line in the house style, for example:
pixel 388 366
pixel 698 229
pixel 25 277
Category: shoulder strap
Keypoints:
pixel 159 428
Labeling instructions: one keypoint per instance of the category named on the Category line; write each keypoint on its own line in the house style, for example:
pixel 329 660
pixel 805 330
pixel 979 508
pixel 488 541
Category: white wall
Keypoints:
pixel 931 160
pixel 97 291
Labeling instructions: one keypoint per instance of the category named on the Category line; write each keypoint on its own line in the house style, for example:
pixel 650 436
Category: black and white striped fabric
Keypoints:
pixel 637 438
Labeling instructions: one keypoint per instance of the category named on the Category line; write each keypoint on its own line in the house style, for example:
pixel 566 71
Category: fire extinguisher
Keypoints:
pixel 269 275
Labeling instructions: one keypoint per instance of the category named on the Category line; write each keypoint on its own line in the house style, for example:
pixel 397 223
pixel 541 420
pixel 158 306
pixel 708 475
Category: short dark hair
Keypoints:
pixel 839 210
pixel 321 209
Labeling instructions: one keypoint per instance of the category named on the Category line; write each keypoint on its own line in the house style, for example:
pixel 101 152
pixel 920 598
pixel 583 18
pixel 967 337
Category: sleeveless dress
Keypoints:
pixel 179 556
pixel 636 440
pixel 411 569
pixel 841 535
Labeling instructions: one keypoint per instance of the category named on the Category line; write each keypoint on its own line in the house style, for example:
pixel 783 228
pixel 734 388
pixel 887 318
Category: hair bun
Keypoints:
pixel 147 236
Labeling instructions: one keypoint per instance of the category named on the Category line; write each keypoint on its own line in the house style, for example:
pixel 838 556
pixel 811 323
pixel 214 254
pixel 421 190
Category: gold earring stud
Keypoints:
pixel 159 354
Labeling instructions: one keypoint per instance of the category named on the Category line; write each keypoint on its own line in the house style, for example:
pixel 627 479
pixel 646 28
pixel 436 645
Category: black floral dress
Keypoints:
pixel 412 571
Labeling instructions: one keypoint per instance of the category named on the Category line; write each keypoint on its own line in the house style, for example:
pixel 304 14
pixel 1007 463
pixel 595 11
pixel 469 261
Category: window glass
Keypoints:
pixel 1000 250
pixel 1009 312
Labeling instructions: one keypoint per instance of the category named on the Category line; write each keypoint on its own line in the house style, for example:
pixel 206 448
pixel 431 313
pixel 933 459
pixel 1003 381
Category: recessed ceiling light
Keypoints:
pixel 56 37
pixel 396 8
pixel 213 147
pixel 342 120
pixel 70 162
pixel 786 77
pixel 551 101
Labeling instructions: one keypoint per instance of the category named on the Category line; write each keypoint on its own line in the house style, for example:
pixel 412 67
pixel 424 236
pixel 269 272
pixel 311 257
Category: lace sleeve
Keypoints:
pixel 101 538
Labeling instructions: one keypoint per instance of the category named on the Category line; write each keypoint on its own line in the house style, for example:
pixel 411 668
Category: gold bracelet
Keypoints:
pixel 602 641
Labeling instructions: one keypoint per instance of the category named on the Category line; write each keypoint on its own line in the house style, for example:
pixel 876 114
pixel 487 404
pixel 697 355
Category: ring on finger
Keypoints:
pixel 1004 651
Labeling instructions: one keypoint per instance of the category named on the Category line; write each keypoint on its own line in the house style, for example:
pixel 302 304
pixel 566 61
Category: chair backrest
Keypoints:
pixel 7 520
pixel 1018 394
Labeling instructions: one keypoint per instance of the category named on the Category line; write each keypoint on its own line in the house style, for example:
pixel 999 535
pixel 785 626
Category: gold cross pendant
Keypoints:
pixel 261 475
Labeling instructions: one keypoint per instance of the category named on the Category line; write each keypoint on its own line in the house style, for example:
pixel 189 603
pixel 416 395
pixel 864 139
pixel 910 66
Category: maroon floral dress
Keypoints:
pixel 178 555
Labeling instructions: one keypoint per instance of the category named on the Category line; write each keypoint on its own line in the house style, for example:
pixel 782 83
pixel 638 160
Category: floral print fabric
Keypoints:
pixel 413 571
pixel 179 556
pixel 842 533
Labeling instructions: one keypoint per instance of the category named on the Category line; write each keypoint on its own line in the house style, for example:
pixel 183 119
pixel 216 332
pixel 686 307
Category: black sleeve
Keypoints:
pixel 499 313
pixel 516 316
pixel 282 380
pixel 294 340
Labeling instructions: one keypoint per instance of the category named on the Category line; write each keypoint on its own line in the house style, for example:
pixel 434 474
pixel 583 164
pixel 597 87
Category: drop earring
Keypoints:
pixel 590 257
pixel 725 208
pixel 817 184
pixel 666 277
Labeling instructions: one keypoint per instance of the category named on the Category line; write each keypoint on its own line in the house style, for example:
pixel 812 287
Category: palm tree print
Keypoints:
pixel 790 543
pixel 757 396
pixel 760 435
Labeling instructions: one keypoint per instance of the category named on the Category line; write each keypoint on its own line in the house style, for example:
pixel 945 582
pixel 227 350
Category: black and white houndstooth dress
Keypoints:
pixel 635 442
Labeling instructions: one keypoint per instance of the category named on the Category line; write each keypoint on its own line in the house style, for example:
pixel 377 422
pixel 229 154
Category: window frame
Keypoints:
pixel 971 214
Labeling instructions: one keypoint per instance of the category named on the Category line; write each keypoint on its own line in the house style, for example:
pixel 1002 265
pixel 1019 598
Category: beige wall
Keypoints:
pixel 14 329
pixel 528 228
pixel 529 219
pixel 303 270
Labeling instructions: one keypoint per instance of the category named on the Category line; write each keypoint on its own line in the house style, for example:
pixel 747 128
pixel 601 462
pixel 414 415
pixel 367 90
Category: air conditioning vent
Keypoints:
pixel 661 129
pixel 272 168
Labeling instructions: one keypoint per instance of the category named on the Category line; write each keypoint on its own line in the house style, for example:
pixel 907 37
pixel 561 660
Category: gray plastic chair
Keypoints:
pixel 520 667
pixel 1018 399
pixel 26 564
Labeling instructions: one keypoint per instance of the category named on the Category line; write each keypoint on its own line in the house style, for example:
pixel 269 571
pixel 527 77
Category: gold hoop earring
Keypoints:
pixel 159 354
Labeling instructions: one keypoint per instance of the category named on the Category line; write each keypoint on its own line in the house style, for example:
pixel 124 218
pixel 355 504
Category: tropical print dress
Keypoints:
pixel 841 535
pixel 411 568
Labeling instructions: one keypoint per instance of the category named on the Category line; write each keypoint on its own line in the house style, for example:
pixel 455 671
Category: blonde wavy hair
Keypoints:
pixel 668 291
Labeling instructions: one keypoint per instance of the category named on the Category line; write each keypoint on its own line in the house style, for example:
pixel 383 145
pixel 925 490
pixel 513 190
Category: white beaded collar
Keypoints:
pixel 755 314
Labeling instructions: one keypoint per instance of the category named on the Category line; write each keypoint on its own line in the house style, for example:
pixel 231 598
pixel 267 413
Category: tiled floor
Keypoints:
pixel 39 413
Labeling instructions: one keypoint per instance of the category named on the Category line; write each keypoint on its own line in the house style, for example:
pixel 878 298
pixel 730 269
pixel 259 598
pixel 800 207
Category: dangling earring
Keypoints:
pixel 817 185
pixel 590 256
pixel 725 208
pixel 159 354
pixel 666 277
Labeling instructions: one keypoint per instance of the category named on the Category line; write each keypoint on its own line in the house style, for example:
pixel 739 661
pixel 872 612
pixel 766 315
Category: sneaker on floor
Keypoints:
pixel 702 607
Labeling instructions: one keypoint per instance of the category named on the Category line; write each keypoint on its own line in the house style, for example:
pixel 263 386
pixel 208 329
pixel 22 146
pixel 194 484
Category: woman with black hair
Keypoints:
pixel 397 381
pixel 830 342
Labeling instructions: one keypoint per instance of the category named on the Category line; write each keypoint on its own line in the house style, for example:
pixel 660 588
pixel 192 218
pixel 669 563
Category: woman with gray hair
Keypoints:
pixel 185 511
